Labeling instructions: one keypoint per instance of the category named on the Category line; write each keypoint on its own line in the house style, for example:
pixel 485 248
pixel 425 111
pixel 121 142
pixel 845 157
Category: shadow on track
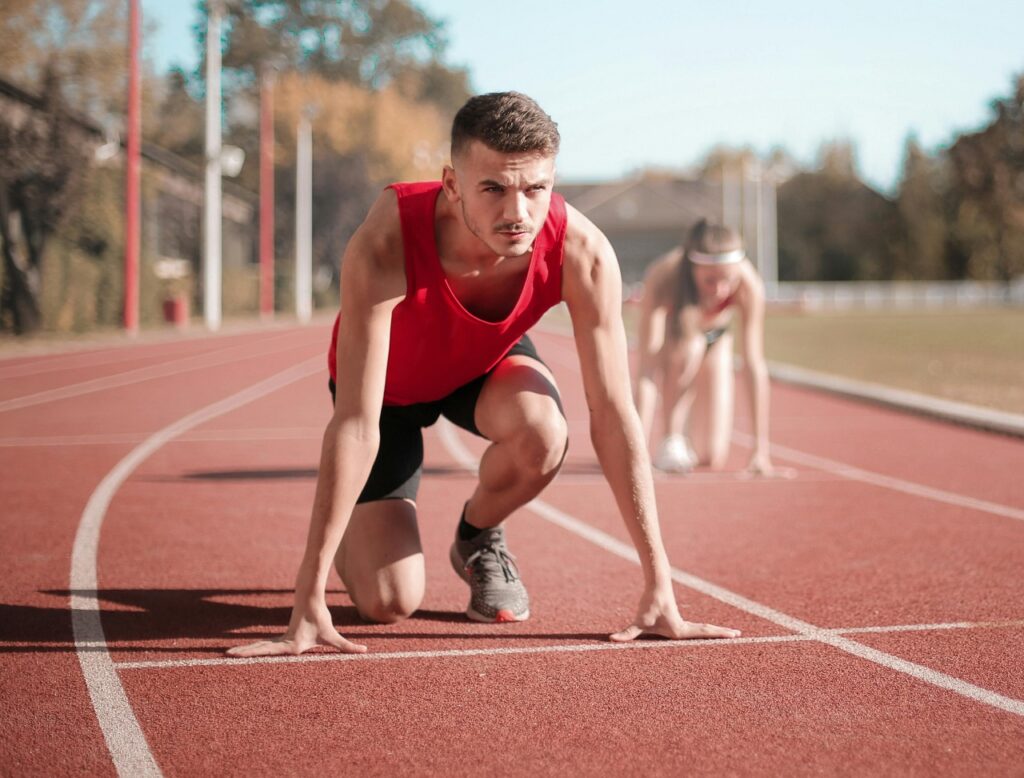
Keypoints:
pixel 163 617
pixel 310 473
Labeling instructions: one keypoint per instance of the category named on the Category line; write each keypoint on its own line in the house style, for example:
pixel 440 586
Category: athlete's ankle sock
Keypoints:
pixel 466 530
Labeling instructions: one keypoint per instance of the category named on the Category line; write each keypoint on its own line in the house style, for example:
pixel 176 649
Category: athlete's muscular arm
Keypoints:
pixel 372 284
pixel 591 287
pixel 752 309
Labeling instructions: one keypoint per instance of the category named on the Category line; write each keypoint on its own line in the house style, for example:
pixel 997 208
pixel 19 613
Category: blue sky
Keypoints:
pixel 659 83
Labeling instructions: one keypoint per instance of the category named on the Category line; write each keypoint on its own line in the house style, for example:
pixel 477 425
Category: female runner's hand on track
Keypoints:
pixel 310 626
pixel 760 466
pixel 658 615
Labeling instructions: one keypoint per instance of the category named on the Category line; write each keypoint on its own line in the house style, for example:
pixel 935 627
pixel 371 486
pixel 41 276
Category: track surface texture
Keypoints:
pixel 155 503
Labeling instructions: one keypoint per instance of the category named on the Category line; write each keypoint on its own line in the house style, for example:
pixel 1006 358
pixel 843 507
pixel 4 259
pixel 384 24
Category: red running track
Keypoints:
pixel 156 499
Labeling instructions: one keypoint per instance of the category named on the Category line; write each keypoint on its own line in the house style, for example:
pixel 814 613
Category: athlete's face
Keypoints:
pixel 504 198
pixel 716 282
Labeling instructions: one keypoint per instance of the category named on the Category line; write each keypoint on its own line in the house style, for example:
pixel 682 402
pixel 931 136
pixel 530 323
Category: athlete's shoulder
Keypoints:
pixel 375 253
pixel 751 283
pixel 585 244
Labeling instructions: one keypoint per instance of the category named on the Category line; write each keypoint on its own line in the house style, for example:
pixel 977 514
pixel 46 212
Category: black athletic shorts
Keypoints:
pixel 713 336
pixel 399 464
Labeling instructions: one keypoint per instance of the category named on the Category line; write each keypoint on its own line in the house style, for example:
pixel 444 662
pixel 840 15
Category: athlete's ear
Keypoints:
pixel 450 184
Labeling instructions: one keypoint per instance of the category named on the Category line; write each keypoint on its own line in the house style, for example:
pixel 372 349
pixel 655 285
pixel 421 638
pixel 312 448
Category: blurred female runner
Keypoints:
pixel 690 298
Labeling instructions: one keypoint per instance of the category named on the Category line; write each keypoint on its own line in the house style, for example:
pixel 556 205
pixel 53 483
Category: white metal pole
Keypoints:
pixel 762 259
pixel 748 219
pixel 732 206
pixel 212 210
pixel 771 227
pixel 304 222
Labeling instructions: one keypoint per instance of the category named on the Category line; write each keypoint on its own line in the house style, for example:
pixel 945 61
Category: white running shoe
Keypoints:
pixel 675 455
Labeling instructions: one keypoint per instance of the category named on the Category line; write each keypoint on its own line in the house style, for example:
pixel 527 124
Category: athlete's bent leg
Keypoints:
pixel 380 560
pixel 712 415
pixel 519 412
pixel 683 360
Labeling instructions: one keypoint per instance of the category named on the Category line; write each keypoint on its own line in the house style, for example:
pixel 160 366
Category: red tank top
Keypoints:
pixel 436 344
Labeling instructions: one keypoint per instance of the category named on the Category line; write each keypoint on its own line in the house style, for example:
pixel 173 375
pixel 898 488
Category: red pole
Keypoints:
pixel 267 195
pixel 131 187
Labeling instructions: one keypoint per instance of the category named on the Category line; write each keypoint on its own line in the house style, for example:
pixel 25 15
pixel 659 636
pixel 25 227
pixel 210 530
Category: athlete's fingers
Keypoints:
pixel 342 644
pixel 713 631
pixel 691 631
pixel 262 648
pixel 628 634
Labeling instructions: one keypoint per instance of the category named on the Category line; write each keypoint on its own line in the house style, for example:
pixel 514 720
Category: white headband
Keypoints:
pixel 725 258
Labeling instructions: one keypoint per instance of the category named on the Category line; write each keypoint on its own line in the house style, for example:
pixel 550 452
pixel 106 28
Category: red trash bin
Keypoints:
pixel 176 311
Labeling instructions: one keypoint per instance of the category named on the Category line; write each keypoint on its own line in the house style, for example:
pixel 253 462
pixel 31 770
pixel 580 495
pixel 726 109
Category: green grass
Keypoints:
pixel 969 355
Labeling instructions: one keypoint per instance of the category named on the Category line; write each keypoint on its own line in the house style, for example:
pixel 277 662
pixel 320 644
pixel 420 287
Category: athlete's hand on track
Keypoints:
pixel 658 615
pixel 760 466
pixel 310 626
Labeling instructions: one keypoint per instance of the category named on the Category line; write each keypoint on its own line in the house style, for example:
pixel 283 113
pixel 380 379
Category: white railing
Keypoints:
pixel 897 294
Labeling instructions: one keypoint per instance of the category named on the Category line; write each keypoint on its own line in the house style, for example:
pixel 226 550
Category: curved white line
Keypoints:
pixel 124 737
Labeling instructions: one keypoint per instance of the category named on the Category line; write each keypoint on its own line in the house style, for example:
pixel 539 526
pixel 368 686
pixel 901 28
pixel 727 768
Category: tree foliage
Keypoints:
pixel 361 141
pixel 44 156
pixel 832 226
pixel 924 228
pixel 370 43
pixel 988 192
pixel 372 75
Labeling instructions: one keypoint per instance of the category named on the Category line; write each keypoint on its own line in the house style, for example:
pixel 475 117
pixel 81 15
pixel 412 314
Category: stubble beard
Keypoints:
pixel 483 236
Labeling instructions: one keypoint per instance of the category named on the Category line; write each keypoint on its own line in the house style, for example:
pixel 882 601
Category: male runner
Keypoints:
pixel 438 288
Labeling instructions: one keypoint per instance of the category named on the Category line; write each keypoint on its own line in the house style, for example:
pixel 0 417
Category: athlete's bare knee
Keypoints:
pixel 388 607
pixel 540 446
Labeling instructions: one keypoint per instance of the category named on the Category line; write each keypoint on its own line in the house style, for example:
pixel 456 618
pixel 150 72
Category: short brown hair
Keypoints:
pixel 509 122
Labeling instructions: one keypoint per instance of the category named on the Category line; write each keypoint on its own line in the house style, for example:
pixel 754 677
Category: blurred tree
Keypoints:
pixel 179 119
pixel 43 157
pixel 74 54
pixel 987 193
pixel 84 42
pixel 373 69
pixel 372 43
pixel 832 226
pixel 362 140
pixel 920 201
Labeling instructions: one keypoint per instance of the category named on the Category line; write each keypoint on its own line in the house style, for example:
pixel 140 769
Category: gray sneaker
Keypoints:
pixel 496 592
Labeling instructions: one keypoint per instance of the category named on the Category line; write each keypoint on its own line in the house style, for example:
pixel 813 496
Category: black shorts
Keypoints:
pixel 715 335
pixel 396 471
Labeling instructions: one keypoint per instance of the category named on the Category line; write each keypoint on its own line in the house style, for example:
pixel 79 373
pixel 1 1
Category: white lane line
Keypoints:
pixel 199 436
pixel 461 454
pixel 929 627
pixel 886 482
pixel 569 648
pixel 75 360
pixel 174 367
pixel 125 739
pixel 162 664
pixel 561 355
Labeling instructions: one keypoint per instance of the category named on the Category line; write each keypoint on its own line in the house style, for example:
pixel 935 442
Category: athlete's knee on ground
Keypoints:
pixel 388 605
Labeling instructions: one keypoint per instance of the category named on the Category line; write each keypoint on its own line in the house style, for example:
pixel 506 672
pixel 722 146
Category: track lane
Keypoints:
pixel 130 572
